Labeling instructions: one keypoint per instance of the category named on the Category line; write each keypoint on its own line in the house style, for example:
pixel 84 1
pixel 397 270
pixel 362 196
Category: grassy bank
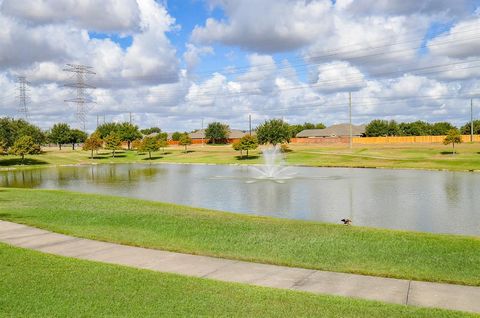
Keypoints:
pixel 39 285
pixel 417 156
pixel 418 256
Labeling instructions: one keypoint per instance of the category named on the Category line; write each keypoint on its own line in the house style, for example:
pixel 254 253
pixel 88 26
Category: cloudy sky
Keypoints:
pixel 173 63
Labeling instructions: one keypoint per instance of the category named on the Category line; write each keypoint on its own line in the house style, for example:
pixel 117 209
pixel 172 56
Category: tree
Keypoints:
pixel 12 129
pixel 163 143
pixel 237 146
pixel 381 128
pixel 466 128
pixel 416 128
pixel 112 142
pixel 320 126
pixel 60 134
pixel 149 144
pixel 176 136
pixel 128 132
pixel 136 144
pixel 93 143
pixel 25 145
pixel 77 136
pixel 246 143
pixel 295 129
pixel 148 131
pixel 441 128
pixel 185 140
pixel 308 125
pixel 3 146
pixel 274 131
pixel 453 137
pixel 106 129
pixel 217 131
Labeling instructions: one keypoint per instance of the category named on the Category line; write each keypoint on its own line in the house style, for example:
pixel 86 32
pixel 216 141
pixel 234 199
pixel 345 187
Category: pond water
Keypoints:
pixel 430 201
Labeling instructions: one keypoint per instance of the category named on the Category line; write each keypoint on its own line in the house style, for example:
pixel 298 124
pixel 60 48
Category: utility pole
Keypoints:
pixel 350 116
pixel 203 133
pixel 22 96
pixel 97 120
pixel 250 124
pixel 130 113
pixel 104 118
pixel 81 99
pixel 471 119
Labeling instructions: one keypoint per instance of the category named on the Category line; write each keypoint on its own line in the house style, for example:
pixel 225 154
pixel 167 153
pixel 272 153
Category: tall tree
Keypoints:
pixel 93 143
pixel 23 146
pixel 381 128
pixel 128 132
pixel 217 132
pixel 106 129
pixel 12 129
pixel 441 128
pixel 185 140
pixel 113 142
pixel 466 128
pixel 77 136
pixel 416 128
pixel 176 136
pixel 148 131
pixel 60 134
pixel 274 131
pixel 453 137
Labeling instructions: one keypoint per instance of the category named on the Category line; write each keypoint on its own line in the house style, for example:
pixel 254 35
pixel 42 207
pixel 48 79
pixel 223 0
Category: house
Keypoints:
pixel 233 135
pixel 339 130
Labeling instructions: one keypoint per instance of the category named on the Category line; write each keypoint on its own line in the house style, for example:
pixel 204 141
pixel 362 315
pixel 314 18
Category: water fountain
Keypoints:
pixel 274 167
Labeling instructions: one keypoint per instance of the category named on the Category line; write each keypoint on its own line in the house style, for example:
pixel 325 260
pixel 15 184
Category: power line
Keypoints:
pixel 22 96
pixel 81 99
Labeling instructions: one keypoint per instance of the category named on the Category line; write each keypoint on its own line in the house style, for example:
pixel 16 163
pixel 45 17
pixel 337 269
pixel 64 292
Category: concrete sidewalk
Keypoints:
pixel 389 290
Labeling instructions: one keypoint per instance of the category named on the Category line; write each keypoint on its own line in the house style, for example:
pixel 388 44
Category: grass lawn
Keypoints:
pixel 418 156
pixel 33 284
pixel 408 255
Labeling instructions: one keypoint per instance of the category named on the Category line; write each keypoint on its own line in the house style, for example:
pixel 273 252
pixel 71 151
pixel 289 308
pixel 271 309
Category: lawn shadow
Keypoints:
pixel 188 151
pixel 448 153
pixel 247 158
pixel 18 161
pixel 153 158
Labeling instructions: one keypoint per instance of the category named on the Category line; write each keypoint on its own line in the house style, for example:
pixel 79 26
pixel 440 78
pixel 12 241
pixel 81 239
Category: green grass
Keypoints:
pixel 417 156
pixel 408 255
pixel 33 284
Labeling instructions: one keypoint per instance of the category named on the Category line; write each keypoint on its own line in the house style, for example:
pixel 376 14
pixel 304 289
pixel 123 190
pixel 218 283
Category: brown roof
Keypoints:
pixel 340 130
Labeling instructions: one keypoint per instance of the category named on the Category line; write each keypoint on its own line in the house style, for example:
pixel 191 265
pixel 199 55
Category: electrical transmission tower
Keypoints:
pixel 22 96
pixel 81 100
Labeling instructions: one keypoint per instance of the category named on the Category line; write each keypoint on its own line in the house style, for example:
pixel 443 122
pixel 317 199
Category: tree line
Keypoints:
pixel 19 137
pixel 383 128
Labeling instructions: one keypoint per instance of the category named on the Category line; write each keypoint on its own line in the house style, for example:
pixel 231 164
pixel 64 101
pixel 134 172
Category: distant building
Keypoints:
pixel 340 130
pixel 169 135
pixel 234 134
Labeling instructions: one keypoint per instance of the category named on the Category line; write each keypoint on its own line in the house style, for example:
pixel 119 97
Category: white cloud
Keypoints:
pixel 461 41
pixel 337 77
pixel 267 26
pixel 103 16
pixel 408 7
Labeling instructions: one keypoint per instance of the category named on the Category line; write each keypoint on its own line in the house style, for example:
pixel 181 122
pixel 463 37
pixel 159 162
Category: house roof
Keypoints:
pixel 340 130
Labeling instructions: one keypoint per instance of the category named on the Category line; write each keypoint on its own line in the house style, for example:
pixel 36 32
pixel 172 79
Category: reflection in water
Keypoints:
pixel 443 202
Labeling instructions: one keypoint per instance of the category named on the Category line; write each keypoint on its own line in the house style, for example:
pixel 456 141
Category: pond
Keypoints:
pixel 430 201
